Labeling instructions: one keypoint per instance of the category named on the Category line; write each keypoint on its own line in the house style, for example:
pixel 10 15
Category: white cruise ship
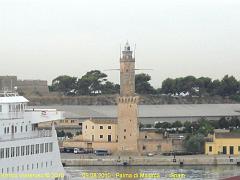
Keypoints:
pixel 25 151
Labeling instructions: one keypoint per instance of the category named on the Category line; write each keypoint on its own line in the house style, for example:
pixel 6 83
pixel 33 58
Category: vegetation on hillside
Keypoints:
pixel 96 83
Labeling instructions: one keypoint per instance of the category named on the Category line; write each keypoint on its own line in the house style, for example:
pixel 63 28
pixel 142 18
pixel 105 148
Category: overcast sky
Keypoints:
pixel 41 39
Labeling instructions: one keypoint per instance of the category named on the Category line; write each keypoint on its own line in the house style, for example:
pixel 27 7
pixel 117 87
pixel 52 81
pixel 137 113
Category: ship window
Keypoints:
pixel 17 151
pixel 37 149
pixel 7 152
pixel 46 147
pixel 12 151
pixel 1 153
pixel 27 150
pixel 41 148
pixel 32 149
pixel 50 147
pixel 22 150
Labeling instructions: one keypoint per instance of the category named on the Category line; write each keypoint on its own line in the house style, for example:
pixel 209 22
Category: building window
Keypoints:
pixel 125 130
pixel 92 127
pixel 26 128
pixel 109 127
pixel 210 148
pixel 92 137
pixel 86 126
pixel 21 129
pixel 101 136
pixel 101 127
pixel 0 108
pixel 15 129
pixel 72 121
pixel 145 137
pixel 144 147
pixel 124 137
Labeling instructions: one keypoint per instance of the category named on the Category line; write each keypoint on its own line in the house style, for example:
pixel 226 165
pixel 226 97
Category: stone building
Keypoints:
pixel 25 87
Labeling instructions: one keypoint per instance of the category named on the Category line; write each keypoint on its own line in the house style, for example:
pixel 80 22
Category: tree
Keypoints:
pixel 195 143
pixel 223 123
pixel 65 84
pixel 110 88
pixel 177 124
pixel 188 126
pixel 205 127
pixel 142 84
pixel 229 86
pixel 168 86
pixel 203 84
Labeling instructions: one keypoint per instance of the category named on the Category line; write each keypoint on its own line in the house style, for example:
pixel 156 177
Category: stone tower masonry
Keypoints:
pixel 128 126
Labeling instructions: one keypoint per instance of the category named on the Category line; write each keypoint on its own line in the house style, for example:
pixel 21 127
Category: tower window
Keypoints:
pixel 125 130
pixel 101 127
pixel 109 127
pixel 101 136
pixel 210 148
pixel 145 137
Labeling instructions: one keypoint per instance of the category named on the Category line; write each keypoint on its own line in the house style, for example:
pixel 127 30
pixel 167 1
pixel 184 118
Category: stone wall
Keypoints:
pixel 25 87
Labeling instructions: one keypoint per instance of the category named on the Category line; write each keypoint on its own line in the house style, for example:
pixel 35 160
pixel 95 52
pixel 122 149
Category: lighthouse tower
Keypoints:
pixel 128 126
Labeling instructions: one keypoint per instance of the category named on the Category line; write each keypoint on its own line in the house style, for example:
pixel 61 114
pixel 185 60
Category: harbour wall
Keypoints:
pixel 152 161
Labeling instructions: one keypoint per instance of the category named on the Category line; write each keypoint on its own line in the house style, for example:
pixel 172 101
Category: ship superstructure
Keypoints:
pixel 26 150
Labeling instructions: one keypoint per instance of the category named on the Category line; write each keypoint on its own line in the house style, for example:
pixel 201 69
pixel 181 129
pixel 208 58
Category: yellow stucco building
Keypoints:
pixel 223 143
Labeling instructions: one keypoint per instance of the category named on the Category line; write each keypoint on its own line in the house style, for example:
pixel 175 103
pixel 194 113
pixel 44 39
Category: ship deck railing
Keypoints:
pixel 39 134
